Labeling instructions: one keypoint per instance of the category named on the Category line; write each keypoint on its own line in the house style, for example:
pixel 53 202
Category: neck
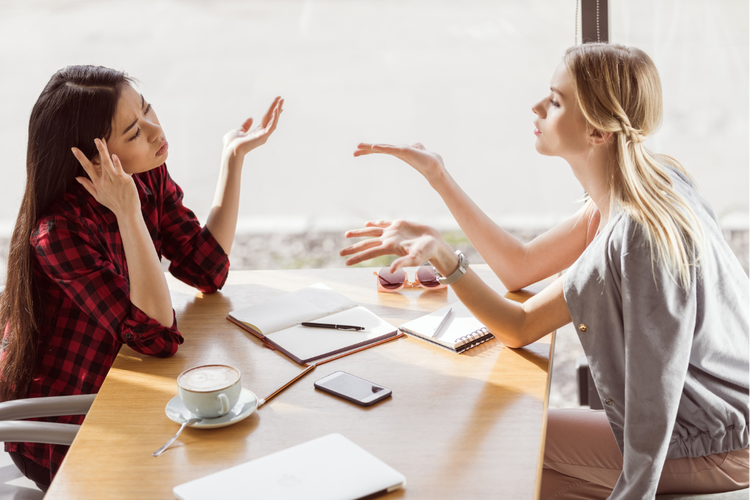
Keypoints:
pixel 593 169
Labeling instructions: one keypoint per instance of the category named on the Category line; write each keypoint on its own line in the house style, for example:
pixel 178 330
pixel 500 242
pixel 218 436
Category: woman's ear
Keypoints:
pixel 597 137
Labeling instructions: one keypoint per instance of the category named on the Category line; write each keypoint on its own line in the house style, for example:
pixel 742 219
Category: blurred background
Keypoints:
pixel 460 77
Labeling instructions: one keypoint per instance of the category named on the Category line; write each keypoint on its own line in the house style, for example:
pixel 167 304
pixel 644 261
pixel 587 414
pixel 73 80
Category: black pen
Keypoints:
pixel 333 326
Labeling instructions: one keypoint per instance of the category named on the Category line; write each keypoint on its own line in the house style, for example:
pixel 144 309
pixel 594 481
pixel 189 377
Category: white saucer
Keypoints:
pixel 247 404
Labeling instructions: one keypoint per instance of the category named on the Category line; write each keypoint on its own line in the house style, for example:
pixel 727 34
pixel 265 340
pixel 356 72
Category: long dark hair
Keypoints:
pixel 76 106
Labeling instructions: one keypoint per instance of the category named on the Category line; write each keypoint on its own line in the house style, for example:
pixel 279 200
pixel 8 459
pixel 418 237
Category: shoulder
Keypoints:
pixel 74 213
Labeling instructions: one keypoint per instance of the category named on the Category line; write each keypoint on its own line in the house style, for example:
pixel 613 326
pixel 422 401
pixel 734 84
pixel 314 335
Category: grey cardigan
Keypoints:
pixel 670 365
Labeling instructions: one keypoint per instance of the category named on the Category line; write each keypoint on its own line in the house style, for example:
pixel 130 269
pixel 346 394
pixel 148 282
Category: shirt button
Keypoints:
pixel 609 402
pixel 583 328
pixel 128 335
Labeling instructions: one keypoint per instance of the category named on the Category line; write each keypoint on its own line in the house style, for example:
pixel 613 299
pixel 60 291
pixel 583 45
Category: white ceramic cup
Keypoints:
pixel 210 391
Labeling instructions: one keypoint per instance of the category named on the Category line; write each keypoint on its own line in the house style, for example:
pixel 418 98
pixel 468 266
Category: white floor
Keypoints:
pixel 13 485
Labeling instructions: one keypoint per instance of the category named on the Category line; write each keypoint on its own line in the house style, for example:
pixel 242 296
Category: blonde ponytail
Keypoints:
pixel 619 91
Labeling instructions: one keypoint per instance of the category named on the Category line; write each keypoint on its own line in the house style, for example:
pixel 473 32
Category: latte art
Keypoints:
pixel 208 378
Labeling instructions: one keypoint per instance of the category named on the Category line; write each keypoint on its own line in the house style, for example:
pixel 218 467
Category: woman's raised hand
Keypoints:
pixel 427 163
pixel 108 183
pixel 413 243
pixel 243 140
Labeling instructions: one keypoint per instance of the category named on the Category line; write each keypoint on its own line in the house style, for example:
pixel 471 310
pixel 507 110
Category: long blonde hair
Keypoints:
pixel 619 91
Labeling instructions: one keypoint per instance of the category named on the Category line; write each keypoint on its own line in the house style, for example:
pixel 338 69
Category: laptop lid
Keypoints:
pixel 330 468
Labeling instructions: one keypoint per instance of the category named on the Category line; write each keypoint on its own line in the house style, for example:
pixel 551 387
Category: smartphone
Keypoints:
pixel 354 389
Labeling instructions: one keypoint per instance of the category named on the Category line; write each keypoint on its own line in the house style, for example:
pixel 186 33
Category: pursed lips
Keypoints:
pixel 162 148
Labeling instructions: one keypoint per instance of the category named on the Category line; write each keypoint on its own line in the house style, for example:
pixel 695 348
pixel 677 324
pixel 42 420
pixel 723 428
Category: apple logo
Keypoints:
pixel 289 481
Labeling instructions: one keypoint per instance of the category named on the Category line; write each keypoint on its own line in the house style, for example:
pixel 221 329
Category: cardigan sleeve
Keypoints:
pixel 658 321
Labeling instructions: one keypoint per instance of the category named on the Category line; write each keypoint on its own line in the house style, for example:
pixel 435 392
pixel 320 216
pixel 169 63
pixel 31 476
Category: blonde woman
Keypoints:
pixel 659 301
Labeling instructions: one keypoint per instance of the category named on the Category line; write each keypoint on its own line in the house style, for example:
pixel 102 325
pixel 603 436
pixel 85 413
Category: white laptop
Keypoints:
pixel 330 468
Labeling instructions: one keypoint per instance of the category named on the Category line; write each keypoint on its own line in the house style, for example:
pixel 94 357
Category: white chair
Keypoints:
pixel 730 495
pixel 13 429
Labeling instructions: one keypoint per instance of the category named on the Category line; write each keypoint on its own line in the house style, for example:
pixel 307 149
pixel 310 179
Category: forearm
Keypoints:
pixel 148 286
pixel 515 324
pixel 222 220
pixel 505 254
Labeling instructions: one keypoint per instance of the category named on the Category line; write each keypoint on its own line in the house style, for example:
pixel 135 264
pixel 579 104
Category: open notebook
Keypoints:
pixel 276 322
pixel 460 332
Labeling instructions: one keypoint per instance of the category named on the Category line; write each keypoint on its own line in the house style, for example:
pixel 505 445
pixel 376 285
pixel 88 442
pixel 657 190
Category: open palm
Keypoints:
pixel 241 141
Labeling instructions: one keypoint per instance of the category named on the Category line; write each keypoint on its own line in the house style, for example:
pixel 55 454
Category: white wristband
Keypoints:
pixel 463 266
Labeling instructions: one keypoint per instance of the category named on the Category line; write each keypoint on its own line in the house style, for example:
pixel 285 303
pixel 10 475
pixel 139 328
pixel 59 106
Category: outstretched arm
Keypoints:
pixel 516 325
pixel 517 264
pixel 222 220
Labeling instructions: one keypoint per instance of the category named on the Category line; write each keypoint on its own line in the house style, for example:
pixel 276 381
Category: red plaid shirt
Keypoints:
pixel 83 279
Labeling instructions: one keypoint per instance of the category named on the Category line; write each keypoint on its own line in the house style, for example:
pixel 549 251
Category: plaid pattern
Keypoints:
pixel 83 279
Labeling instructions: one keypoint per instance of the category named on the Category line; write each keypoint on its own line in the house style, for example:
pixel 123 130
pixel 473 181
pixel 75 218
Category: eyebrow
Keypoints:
pixel 136 120
pixel 556 91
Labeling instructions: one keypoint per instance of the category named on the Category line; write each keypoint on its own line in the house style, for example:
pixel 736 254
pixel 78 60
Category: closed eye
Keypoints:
pixel 554 103
pixel 138 131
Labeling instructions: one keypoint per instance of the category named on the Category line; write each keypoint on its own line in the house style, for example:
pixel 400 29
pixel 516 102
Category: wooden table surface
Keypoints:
pixel 458 426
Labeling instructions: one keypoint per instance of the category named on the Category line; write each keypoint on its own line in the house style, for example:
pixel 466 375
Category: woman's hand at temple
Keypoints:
pixel 427 163
pixel 108 183
pixel 412 243
pixel 237 143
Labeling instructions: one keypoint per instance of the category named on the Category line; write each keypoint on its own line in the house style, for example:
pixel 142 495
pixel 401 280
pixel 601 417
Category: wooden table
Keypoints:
pixel 457 426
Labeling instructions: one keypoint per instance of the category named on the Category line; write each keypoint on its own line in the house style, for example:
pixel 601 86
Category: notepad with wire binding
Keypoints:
pixel 461 331
pixel 276 323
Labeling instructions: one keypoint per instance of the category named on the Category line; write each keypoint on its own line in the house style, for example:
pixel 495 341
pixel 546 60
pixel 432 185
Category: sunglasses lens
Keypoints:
pixel 391 280
pixel 427 277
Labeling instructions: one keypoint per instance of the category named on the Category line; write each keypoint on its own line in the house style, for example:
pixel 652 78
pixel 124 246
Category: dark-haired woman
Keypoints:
pixel 98 213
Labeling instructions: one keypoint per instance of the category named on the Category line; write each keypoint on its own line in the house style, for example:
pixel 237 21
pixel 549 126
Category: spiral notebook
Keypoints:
pixel 460 332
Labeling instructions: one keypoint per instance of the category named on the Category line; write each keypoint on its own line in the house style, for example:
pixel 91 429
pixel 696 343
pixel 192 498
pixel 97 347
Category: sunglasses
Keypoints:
pixel 393 282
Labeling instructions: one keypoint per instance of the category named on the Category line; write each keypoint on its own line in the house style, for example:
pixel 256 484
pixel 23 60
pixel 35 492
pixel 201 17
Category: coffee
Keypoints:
pixel 208 378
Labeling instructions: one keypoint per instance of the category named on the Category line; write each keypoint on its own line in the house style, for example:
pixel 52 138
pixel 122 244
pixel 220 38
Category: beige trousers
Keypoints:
pixel 582 461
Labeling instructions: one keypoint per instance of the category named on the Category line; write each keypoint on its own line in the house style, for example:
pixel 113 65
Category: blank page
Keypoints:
pixel 312 343
pixel 308 304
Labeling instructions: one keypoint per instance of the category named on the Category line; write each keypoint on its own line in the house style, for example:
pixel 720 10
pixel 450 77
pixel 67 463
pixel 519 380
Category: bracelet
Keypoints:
pixel 463 266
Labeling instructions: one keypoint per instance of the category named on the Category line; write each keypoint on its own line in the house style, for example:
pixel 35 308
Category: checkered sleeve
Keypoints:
pixel 196 257
pixel 71 254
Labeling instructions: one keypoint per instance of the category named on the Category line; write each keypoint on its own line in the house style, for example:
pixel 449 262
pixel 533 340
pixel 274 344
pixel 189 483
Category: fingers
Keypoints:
pixel 399 151
pixel 367 231
pixel 85 163
pixel 88 185
pixel 275 117
pixel 364 148
pixel 367 255
pixel 118 166
pixel 271 110
pixel 106 160
pixel 405 261
pixel 246 125
pixel 358 247
pixel 378 223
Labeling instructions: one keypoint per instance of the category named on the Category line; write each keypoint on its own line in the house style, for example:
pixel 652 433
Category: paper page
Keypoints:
pixel 460 323
pixel 312 343
pixel 307 304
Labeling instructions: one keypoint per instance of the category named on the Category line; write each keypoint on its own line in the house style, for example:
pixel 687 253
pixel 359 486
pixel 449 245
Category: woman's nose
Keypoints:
pixel 154 131
pixel 538 109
